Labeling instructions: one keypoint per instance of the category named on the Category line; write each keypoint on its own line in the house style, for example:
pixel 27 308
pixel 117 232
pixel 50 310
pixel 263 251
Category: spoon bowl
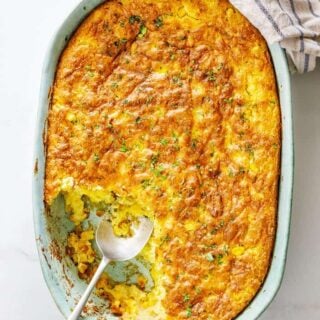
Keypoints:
pixel 119 248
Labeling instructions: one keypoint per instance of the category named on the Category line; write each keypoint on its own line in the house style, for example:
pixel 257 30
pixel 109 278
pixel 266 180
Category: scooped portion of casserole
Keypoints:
pixel 169 109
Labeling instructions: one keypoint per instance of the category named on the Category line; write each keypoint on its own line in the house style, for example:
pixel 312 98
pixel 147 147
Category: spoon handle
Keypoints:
pixel 82 302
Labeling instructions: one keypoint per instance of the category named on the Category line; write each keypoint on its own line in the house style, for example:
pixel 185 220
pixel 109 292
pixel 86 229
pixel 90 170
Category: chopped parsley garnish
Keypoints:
pixel 211 75
pixel 198 290
pixel 124 148
pixel 186 297
pixel 164 141
pixel 218 227
pixel 114 85
pixel 228 100
pixel 142 31
pixel 220 257
pixel 158 22
pixel 96 157
pixel 177 80
pixel 189 312
pixel 167 238
pixel 158 171
pixel 231 173
pixel 134 19
pixel 154 159
pixel 175 137
pixel 89 71
pixel 138 120
pixel 145 183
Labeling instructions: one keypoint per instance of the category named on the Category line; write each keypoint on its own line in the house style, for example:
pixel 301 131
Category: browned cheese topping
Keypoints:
pixel 169 109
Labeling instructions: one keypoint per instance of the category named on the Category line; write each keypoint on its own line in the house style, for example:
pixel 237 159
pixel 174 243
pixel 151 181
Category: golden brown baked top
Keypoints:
pixel 169 109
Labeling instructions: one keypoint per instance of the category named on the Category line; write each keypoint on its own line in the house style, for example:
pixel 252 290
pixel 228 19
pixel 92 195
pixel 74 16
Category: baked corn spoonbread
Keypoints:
pixel 169 110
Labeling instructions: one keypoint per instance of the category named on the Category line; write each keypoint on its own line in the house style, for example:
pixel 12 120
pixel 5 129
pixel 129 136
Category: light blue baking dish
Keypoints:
pixel 51 229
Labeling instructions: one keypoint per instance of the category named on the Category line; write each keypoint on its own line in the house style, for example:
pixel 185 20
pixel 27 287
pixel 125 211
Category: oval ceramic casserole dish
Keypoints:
pixel 53 227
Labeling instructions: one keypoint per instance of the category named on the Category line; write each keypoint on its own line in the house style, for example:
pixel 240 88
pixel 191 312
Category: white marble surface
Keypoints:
pixel 25 30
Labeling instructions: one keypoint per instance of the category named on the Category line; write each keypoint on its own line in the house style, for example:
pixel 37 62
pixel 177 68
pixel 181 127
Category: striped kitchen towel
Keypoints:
pixel 295 24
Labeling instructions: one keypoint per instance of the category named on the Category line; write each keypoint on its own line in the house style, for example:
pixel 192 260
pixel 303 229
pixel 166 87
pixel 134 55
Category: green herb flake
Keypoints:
pixel 154 159
pixel 96 157
pixel 210 257
pixel 164 141
pixel 138 120
pixel 145 183
pixel 114 85
pixel 220 259
pixel 142 31
pixel 167 238
pixel 220 67
pixel 198 290
pixel 217 228
pixel 158 22
pixel 89 71
pixel 158 171
pixel 188 312
pixel 134 19
pixel 211 75
pixel 186 297
pixel 228 100
pixel 124 148
pixel 177 80
pixel 231 173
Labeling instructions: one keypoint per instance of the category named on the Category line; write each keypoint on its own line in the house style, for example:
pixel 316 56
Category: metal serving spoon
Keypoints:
pixel 114 249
